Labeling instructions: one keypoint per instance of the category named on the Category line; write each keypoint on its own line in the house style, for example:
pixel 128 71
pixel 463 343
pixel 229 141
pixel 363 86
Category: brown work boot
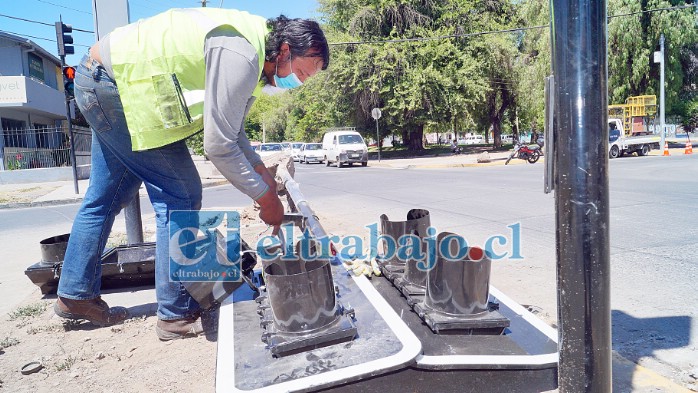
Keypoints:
pixel 178 328
pixel 94 310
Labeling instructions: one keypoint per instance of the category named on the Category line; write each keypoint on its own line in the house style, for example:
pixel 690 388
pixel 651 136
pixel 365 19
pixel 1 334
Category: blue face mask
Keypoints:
pixel 290 81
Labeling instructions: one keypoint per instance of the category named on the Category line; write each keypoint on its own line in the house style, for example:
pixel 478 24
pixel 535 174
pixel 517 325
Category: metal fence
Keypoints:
pixel 29 148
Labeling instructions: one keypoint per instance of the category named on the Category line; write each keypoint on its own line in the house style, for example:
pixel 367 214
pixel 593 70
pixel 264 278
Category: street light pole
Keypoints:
pixel 378 141
pixel 376 114
pixel 661 90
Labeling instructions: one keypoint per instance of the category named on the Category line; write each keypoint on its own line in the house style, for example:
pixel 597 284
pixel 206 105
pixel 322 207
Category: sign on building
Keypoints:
pixel 13 90
pixel 36 67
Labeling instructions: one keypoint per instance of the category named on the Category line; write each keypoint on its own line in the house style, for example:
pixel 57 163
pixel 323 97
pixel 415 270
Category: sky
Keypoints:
pixel 78 13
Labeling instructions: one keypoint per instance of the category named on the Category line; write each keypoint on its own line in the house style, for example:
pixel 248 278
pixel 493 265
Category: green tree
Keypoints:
pixel 533 64
pixel 418 84
pixel 392 77
pixel 497 53
pixel 688 96
pixel 632 41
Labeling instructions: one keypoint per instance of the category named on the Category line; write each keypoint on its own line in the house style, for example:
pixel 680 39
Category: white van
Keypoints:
pixel 344 147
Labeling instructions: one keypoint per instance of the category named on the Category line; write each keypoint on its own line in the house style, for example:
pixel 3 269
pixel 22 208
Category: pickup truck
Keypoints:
pixel 620 144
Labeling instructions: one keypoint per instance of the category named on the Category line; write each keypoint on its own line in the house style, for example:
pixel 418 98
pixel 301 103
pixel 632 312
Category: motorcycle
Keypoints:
pixel 530 153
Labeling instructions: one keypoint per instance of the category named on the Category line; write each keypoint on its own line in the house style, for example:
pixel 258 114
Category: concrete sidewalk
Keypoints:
pixel 59 193
pixel 63 192
pixel 446 161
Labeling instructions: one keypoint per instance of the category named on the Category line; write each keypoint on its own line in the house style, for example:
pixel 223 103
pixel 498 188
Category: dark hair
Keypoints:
pixel 303 36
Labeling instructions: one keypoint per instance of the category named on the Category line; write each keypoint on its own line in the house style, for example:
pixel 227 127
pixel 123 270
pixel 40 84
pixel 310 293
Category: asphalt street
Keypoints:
pixel 653 237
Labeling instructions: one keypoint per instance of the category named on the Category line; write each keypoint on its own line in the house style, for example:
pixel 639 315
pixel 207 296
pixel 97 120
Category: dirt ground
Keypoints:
pixel 78 357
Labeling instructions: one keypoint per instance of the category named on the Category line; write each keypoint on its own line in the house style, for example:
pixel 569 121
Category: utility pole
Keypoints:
pixel 582 195
pixel 108 15
pixel 661 89
pixel 65 47
pixel 376 114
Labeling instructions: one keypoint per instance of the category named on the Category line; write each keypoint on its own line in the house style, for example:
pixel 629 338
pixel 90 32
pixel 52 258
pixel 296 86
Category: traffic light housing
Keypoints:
pixel 64 39
pixel 68 80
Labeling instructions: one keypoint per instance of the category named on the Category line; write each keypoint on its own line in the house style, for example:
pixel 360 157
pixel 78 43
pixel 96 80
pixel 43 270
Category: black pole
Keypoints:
pixel 581 197
pixel 378 141
pixel 70 133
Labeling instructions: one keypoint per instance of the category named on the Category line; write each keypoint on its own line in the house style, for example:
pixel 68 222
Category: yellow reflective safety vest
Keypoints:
pixel 159 68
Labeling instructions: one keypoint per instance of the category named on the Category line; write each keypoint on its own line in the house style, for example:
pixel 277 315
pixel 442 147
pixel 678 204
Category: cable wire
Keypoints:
pixel 38 38
pixel 62 6
pixel 678 7
pixel 441 37
pixel 398 40
pixel 480 33
pixel 42 23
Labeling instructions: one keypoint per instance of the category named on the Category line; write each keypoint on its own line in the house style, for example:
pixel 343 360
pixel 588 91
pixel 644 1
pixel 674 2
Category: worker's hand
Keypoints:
pixel 271 210
pixel 266 176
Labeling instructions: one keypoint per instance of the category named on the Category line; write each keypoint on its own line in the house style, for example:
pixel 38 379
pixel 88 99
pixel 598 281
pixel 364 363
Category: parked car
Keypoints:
pixel 312 152
pixel 267 149
pixel 344 147
pixel 507 139
pixel 295 150
pixel 286 146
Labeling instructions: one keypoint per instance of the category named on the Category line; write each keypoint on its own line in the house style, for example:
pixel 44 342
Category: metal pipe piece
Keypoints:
pixel 53 249
pixel 393 230
pixel 417 223
pixel 458 287
pixel 301 294
pixel 581 195
pixel 294 192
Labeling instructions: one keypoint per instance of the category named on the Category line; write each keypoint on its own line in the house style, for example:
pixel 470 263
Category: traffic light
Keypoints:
pixel 68 78
pixel 64 38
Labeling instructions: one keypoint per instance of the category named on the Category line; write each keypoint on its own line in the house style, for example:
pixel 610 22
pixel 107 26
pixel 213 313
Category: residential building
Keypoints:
pixel 32 106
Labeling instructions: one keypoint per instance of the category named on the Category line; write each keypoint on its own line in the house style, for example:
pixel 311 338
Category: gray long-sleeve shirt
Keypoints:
pixel 232 70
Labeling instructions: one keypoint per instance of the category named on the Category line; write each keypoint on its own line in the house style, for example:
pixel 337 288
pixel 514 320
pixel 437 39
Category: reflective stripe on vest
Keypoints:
pixel 160 70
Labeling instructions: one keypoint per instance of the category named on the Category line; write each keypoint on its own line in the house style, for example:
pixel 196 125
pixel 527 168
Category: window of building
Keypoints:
pixel 13 133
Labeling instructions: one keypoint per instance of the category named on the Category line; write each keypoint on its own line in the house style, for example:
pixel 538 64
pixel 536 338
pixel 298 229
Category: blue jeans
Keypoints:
pixel 170 178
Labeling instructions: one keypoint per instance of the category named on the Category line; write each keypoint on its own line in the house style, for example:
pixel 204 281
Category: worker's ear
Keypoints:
pixel 284 52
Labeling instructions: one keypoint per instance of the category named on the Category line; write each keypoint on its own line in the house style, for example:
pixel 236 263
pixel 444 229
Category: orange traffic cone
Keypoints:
pixel 666 148
pixel 689 148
